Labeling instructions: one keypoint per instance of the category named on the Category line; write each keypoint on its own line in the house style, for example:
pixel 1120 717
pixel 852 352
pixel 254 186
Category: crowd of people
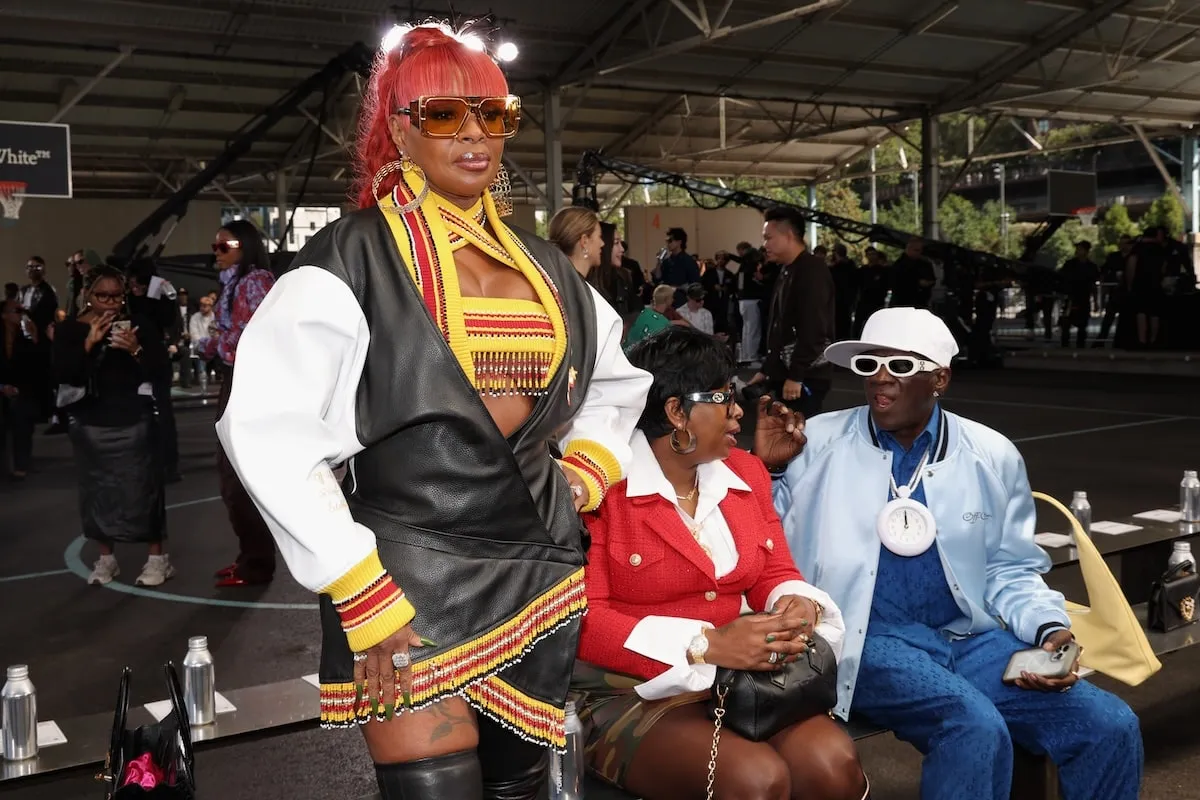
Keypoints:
pixel 462 437
pixel 99 364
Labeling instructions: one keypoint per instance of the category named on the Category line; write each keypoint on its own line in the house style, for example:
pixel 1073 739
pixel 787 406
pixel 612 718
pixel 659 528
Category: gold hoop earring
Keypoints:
pixel 403 164
pixel 501 191
pixel 680 449
pixel 383 172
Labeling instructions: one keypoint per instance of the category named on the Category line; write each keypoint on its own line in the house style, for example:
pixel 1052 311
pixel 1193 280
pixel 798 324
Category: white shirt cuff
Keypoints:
pixel 666 639
pixel 678 680
pixel 832 628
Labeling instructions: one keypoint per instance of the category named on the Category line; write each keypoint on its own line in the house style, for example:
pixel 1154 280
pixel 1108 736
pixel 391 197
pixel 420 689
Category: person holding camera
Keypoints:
pixel 104 361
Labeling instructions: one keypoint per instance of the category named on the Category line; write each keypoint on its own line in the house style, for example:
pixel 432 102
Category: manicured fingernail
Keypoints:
pixel 359 688
pixel 770 638
pixel 428 642
pixel 407 700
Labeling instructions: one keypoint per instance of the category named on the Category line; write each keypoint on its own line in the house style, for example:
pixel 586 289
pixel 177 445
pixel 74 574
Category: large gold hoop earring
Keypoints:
pixel 680 449
pixel 403 164
pixel 383 172
pixel 501 191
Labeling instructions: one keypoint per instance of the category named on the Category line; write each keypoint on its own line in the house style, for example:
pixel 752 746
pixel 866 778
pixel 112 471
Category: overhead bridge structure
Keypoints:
pixel 794 91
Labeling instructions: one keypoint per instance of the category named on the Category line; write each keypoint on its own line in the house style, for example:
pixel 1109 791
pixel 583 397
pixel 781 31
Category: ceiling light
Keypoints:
pixel 474 42
pixel 507 51
pixel 391 39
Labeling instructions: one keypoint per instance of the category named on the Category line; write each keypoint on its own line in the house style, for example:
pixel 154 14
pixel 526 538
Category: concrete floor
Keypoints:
pixel 1124 439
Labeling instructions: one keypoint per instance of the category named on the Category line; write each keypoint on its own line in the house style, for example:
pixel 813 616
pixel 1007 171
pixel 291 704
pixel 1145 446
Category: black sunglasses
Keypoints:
pixel 721 397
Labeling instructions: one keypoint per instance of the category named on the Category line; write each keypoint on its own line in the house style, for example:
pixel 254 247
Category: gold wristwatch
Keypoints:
pixel 698 647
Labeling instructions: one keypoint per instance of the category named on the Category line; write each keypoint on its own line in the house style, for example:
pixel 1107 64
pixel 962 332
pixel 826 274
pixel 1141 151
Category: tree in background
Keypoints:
pixel 1167 212
pixel 1115 224
pixel 959 222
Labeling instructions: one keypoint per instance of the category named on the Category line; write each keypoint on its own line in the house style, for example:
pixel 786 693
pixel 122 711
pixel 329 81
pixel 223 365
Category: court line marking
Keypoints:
pixel 74 559
pixel 1045 407
pixel 47 573
pixel 186 503
pixel 1100 429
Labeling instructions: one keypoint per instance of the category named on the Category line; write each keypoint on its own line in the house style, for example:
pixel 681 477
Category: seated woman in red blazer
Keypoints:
pixel 679 549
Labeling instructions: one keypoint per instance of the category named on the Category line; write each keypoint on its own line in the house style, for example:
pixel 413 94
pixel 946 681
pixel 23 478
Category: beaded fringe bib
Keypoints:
pixel 512 345
pixel 470 671
pixel 503 346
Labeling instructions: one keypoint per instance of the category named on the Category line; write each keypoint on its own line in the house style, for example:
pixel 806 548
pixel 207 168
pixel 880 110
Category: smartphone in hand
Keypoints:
pixel 121 325
pixel 1047 663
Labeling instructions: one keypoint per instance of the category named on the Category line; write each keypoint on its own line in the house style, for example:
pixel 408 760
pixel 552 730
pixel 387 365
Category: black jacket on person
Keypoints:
pixel 800 322
pixel 110 377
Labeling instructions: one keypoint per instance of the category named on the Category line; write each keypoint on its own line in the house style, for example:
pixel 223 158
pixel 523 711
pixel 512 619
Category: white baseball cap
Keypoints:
pixel 912 330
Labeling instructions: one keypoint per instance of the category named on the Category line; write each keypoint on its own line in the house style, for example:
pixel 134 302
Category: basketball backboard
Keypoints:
pixel 37 154
pixel 1067 192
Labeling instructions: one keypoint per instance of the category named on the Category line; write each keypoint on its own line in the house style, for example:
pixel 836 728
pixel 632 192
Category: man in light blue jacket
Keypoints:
pixel 919 523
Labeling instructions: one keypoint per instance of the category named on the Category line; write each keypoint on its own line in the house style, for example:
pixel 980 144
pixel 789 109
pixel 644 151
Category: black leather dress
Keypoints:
pixel 478 529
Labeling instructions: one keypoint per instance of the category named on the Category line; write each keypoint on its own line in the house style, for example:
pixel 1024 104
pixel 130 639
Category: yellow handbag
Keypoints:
pixel 1112 639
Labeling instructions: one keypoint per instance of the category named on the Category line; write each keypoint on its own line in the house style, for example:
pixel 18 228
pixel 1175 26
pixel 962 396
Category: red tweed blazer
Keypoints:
pixel 644 562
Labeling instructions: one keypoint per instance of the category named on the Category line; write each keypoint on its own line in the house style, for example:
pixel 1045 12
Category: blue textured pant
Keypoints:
pixel 947 699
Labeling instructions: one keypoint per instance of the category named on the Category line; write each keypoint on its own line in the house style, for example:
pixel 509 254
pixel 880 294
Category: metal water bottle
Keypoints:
pixel 1189 497
pixel 566 771
pixel 1082 510
pixel 18 715
pixel 1181 552
pixel 199 682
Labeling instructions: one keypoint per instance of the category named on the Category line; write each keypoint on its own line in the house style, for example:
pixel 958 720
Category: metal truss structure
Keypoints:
pixel 708 195
pixel 155 89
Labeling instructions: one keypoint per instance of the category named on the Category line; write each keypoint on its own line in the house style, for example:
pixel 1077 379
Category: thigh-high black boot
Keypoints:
pixel 512 768
pixel 456 776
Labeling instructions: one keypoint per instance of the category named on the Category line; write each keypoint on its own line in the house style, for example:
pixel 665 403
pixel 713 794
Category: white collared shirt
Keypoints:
pixel 666 639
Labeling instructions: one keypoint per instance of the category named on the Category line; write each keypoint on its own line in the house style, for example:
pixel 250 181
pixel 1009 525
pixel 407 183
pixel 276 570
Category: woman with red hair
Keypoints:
pixel 444 360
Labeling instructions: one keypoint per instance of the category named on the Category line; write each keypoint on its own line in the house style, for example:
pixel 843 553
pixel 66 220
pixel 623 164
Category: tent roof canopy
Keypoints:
pixel 713 88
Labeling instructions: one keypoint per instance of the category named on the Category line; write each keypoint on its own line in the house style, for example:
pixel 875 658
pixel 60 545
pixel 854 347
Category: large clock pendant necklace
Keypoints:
pixel 906 527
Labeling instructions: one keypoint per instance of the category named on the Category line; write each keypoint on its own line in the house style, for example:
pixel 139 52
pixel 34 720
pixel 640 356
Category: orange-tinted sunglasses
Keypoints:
pixel 441 117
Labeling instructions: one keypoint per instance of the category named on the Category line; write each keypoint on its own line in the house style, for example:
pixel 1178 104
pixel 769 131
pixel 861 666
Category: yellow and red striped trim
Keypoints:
pixel 465 669
pixel 371 606
pixel 595 465
pixel 427 237
pixel 519 712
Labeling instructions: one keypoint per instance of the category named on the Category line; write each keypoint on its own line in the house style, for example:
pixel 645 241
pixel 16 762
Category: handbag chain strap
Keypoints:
pixel 719 712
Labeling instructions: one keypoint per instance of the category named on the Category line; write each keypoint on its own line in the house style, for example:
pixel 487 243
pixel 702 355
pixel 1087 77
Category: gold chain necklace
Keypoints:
pixel 690 496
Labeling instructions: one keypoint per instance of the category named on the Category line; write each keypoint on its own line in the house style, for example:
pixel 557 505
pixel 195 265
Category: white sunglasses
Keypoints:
pixel 897 366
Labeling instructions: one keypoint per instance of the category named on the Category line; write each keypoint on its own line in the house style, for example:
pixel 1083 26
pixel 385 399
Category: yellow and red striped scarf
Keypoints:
pixel 427 238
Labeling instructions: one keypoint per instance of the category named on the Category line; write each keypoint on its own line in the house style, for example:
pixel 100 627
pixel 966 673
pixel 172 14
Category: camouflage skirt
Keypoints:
pixel 615 718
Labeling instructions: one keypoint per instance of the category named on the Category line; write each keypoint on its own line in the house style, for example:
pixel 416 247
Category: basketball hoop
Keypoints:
pixel 12 195
pixel 1086 215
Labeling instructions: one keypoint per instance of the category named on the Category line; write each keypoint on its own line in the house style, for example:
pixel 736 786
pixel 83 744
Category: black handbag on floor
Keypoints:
pixel 1173 598
pixel 758 705
pixel 163 750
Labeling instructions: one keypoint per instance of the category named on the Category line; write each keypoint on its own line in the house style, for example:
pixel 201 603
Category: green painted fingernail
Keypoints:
pixel 770 639
pixel 428 642
pixel 407 700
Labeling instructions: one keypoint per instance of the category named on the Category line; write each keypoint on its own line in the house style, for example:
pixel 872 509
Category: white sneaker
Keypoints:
pixel 157 570
pixel 104 570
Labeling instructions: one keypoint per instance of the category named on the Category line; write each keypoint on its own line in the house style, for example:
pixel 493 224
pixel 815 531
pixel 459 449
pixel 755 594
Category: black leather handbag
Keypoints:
pixel 163 749
pixel 1173 598
pixel 758 705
